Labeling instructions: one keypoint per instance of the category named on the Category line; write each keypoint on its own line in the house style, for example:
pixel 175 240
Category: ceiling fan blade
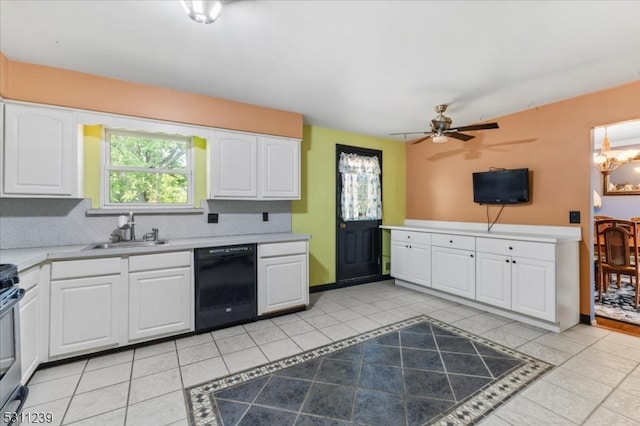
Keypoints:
pixel 485 126
pixel 420 139
pixel 460 136
pixel 411 133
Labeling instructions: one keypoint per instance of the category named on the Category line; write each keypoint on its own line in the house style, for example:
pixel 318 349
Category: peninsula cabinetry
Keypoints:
pixel 160 295
pixel 530 274
pixel 283 276
pixel 86 305
pixel 454 264
pixel 40 152
pixel 411 256
pixel 245 166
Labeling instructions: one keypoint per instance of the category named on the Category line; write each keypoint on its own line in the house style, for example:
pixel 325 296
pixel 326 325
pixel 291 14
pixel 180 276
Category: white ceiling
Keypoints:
pixel 370 67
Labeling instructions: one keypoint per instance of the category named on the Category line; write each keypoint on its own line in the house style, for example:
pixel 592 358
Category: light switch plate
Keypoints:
pixel 574 216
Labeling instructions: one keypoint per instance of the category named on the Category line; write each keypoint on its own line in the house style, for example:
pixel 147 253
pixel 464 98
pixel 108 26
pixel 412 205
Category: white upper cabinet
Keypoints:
pixel 40 152
pixel 280 168
pixel 233 160
pixel 246 166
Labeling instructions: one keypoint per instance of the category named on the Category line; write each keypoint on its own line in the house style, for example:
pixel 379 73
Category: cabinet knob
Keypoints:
pixel 471 255
pixel 506 260
pixel 451 241
pixel 510 248
pixel 513 261
pixel 408 236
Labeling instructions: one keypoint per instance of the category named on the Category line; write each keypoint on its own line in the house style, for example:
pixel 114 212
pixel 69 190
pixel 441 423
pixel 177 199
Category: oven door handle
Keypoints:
pixel 14 299
pixel 20 395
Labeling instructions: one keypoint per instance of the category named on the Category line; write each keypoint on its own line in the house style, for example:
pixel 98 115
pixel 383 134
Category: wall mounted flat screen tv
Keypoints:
pixel 501 186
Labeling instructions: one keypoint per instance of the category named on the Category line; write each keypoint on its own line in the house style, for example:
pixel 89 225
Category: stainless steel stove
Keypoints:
pixel 12 395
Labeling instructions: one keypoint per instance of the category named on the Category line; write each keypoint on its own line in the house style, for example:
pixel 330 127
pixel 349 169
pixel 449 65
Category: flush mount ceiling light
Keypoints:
pixel 203 11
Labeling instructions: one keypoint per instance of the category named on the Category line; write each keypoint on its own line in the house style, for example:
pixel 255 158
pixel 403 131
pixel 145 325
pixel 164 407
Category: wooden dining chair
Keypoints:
pixel 635 219
pixel 601 217
pixel 618 254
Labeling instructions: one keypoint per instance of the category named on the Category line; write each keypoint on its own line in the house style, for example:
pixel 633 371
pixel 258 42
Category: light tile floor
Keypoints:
pixel 596 380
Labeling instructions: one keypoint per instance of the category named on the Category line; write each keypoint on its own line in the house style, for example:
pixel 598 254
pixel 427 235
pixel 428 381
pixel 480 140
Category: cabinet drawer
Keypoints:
pixel 528 249
pixel 146 262
pixel 282 249
pixel 454 241
pixel 29 278
pixel 411 236
pixel 85 268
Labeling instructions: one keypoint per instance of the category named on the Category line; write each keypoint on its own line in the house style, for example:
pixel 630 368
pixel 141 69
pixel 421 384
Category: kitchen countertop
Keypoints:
pixel 26 257
pixel 523 236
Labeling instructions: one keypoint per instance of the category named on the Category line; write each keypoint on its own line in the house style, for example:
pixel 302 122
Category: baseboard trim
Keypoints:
pixel 585 319
pixel 334 286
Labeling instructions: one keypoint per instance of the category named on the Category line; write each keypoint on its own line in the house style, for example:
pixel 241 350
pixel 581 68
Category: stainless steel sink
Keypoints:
pixel 127 244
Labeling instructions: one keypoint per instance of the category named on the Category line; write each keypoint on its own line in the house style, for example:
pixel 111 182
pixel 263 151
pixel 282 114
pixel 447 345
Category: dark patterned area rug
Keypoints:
pixel 414 372
pixel 618 303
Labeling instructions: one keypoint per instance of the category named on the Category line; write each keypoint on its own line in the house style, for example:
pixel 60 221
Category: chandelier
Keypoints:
pixel 608 160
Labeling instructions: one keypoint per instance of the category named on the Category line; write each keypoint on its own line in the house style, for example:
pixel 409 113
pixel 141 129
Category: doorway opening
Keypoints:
pixel 616 197
pixel 358 215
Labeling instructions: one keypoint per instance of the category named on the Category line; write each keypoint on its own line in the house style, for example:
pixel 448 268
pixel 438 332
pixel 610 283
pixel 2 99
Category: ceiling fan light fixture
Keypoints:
pixel 203 11
pixel 439 139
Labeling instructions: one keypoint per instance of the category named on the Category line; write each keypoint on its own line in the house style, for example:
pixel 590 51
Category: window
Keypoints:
pixel 146 169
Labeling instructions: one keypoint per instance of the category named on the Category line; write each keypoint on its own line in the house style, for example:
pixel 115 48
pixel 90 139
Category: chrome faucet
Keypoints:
pixel 132 226
pixel 151 236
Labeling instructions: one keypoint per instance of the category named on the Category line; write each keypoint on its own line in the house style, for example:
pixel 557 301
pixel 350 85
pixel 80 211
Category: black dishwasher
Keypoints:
pixel 225 286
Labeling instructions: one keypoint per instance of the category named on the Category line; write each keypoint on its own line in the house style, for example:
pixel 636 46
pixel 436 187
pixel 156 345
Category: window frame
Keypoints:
pixel 106 168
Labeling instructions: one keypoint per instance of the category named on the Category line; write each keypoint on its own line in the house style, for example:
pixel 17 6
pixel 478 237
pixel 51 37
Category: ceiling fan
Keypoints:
pixel 441 129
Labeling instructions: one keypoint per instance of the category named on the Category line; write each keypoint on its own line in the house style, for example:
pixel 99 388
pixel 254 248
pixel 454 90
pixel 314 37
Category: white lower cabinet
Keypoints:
pixel 518 275
pixel 493 279
pixel 454 271
pixel 160 300
pixel 85 314
pixel 31 335
pixel 411 257
pixel 102 303
pixel 534 288
pixel 283 276
pixel 534 279
pixel 453 264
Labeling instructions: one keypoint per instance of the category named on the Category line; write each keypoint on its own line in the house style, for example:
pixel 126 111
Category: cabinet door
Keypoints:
pixel 283 283
pixel 85 314
pixel 160 303
pixel 400 260
pixel 40 152
pixel 493 279
pixel 419 259
pixel 453 271
pixel 30 335
pixel 534 288
pixel 233 163
pixel 279 168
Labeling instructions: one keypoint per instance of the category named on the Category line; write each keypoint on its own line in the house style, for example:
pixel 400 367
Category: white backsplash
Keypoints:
pixel 38 222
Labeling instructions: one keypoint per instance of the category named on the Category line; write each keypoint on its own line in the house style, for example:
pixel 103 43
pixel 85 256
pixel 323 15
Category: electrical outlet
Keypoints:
pixel 574 216
pixel 265 217
pixel 212 218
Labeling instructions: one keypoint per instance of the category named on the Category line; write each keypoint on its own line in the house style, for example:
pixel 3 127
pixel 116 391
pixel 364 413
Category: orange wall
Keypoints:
pixel 55 86
pixel 553 141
